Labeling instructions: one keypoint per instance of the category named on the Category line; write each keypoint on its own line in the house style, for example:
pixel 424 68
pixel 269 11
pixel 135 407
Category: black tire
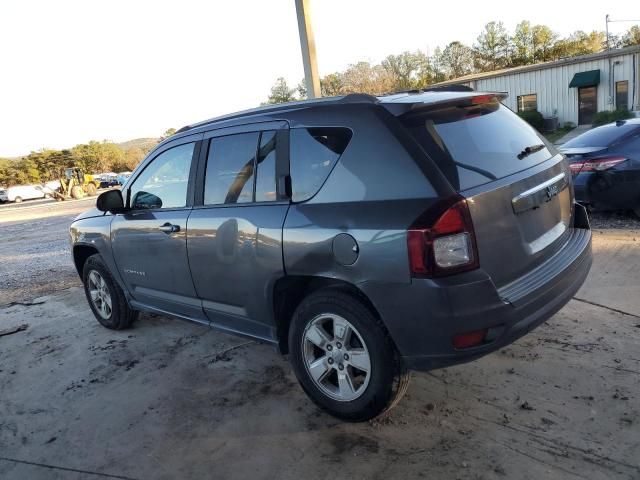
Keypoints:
pixel 18 199
pixel 388 379
pixel 121 315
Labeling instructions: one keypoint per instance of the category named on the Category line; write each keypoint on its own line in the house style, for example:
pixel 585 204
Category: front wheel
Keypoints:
pixel 105 297
pixel 344 358
pixel 18 199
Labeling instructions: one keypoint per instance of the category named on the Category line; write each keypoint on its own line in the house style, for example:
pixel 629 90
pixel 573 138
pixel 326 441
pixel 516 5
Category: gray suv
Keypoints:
pixel 363 236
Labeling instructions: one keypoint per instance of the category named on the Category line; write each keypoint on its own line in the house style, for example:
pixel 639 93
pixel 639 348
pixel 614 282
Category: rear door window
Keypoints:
pixel 314 152
pixel 477 144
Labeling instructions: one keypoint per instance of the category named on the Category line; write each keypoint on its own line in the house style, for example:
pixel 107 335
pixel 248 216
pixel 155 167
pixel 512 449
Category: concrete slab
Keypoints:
pixel 579 130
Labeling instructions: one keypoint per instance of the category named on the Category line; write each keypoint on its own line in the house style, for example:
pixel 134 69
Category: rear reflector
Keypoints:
pixel 469 339
pixel 444 246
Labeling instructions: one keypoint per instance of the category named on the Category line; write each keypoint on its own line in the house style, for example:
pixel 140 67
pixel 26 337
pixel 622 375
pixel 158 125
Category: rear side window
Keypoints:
pixel 477 144
pixel 314 152
pixel 232 163
pixel 602 136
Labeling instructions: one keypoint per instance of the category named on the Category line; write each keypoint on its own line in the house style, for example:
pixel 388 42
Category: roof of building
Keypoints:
pixel 541 66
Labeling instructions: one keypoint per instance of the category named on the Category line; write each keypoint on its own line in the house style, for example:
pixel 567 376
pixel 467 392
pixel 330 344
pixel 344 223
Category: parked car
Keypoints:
pixel 106 180
pixel 363 236
pixel 123 177
pixel 605 164
pixel 18 193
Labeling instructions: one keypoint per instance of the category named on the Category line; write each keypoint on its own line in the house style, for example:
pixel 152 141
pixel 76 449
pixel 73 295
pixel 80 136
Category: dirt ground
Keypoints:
pixel 168 399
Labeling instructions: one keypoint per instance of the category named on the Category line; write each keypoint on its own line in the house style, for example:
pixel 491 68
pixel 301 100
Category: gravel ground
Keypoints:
pixel 615 220
pixel 34 249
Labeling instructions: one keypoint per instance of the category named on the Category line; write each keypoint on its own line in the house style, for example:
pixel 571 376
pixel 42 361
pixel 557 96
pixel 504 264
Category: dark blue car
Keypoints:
pixel 605 164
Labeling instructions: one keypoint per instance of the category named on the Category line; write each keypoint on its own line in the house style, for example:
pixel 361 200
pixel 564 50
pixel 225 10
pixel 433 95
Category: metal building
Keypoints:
pixel 571 89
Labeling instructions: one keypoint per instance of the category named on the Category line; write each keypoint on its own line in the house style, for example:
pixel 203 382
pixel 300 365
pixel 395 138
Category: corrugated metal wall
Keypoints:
pixel 551 85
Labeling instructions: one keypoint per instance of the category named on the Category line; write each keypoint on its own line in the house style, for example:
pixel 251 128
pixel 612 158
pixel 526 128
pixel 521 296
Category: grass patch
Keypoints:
pixel 556 135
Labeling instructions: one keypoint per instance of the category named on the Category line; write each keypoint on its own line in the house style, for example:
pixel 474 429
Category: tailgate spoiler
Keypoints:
pixel 407 102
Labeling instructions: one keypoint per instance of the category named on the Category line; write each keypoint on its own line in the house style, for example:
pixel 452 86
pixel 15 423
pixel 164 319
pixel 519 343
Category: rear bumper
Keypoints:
pixel 423 317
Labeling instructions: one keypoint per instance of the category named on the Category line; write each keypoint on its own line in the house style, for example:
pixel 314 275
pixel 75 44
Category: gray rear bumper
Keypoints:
pixel 424 317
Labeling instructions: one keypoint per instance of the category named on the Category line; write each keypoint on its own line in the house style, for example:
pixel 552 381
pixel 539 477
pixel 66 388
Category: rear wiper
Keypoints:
pixel 530 150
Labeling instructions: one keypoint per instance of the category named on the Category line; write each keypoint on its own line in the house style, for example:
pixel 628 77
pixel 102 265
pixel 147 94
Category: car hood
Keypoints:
pixel 580 150
pixel 93 212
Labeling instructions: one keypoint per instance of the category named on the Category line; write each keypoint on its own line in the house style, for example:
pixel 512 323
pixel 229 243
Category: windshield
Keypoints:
pixel 601 137
pixel 477 144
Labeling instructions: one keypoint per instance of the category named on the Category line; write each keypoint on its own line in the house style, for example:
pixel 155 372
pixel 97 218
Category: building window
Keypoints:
pixel 527 102
pixel 622 95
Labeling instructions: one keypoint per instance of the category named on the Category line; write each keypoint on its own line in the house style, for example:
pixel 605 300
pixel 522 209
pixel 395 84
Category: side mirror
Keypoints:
pixel 110 201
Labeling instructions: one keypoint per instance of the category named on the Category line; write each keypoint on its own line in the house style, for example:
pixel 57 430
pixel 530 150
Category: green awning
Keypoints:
pixel 585 79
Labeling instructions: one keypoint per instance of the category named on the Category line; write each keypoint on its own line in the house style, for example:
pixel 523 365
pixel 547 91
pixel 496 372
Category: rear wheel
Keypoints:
pixel 77 192
pixel 91 189
pixel 18 200
pixel 344 358
pixel 105 297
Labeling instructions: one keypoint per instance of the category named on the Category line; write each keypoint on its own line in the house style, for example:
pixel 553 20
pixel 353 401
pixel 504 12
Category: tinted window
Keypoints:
pixel 477 144
pixel 163 183
pixel 314 152
pixel 527 102
pixel 602 136
pixel 230 165
pixel 622 95
pixel 266 177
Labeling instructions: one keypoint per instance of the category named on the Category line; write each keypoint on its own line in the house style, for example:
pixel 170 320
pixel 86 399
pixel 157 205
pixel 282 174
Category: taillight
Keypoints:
pixel 596 164
pixel 445 245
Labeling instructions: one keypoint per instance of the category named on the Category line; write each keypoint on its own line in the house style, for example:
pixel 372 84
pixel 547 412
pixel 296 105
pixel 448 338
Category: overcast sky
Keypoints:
pixel 73 71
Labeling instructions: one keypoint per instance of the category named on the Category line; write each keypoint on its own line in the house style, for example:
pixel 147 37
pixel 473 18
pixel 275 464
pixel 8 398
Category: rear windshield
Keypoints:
pixel 601 137
pixel 477 144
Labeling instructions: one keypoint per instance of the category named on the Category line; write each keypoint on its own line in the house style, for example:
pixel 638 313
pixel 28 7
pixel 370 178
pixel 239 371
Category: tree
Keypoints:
pixel 456 60
pixel 579 43
pixel 543 39
pixel 410 70
pixel 632 37
pixel 331 85
pixel 169 132
pixel 522 40
pixel 281 93
pixel 363 77
pixel 492 48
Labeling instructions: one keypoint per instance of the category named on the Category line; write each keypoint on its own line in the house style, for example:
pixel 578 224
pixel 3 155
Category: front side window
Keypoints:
pixel 622 95
pixel 164 182
pixel 314 152
pixel 527 102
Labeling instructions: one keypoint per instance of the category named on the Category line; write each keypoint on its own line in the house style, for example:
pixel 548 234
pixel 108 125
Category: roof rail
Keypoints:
pixel 456 87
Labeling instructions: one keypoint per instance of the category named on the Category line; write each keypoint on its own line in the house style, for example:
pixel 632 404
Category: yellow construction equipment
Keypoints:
pixel 75 184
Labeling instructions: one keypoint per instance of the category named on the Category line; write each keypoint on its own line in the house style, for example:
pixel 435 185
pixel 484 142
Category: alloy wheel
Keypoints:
pixel 336 357
pixel 100 294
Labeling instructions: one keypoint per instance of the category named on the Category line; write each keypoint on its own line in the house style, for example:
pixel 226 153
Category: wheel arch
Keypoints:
pixel 290 290
pixel 80 255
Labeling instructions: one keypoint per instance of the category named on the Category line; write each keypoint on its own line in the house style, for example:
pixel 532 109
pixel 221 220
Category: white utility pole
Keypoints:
pixel 308 47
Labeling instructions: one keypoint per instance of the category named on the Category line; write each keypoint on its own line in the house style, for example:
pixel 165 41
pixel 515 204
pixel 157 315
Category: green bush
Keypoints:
pixel 602 118
pixel 533 118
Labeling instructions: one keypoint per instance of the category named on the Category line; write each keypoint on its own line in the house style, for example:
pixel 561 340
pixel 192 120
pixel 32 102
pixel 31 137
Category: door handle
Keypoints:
pixel 169 228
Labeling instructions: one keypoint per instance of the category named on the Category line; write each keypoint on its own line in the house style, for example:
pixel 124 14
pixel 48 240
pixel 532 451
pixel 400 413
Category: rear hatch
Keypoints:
pixel 518 189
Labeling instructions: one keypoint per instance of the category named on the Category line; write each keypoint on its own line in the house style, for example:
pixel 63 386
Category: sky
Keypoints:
pixel 74 71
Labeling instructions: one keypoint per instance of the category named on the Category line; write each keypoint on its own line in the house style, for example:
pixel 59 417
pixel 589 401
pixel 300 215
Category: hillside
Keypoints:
pixel 144 144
